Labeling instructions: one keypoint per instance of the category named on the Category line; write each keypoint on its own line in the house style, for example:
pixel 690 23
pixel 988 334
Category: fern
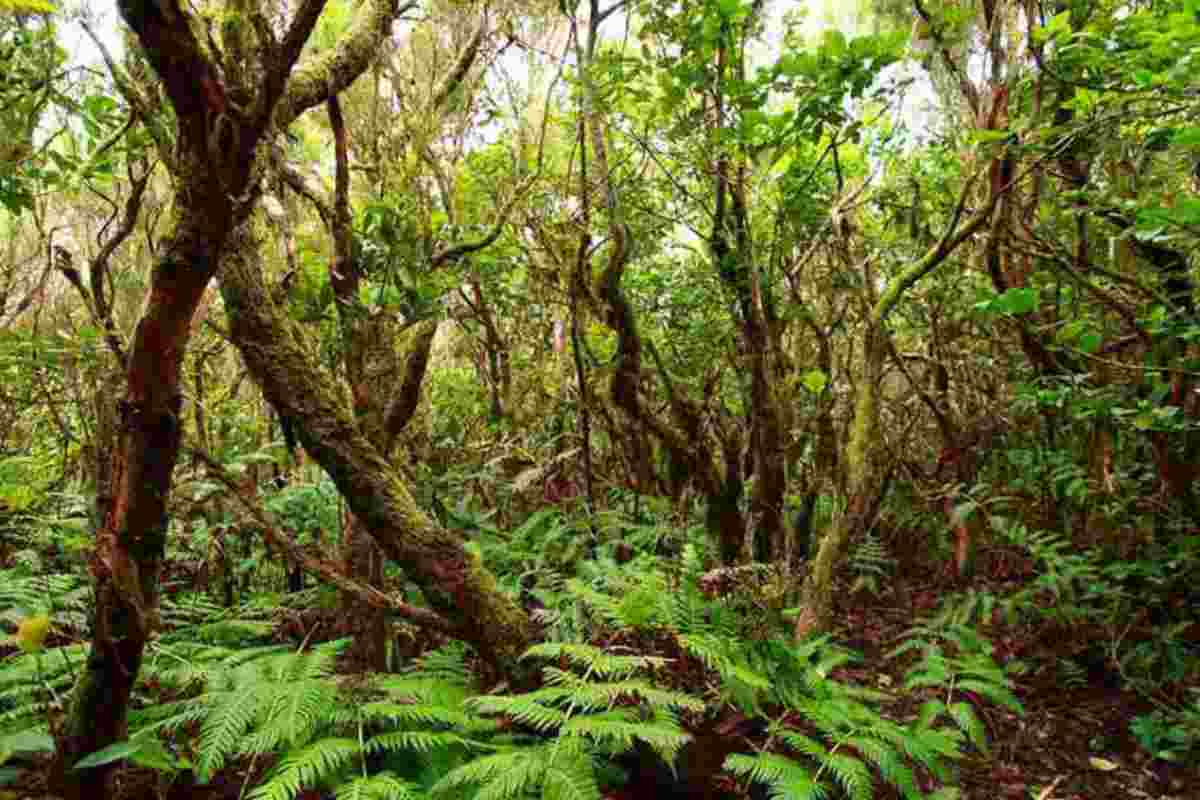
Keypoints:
pixel 958 663
pixel 421 714
pixel 870 563
pixel 381 786
pixel 308 766
pixel 832 737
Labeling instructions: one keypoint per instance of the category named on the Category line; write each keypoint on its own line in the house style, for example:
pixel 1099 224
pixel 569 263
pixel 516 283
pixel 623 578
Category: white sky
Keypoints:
pixel 917 111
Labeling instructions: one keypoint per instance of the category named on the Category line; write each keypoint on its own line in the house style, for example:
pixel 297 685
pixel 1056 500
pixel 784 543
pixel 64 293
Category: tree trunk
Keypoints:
pixel 132 538
pixel 861 478
pixel 454 583
pixel 817 603
pixel 364 563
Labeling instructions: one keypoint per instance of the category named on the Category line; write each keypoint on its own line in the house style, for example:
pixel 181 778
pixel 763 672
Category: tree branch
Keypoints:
pixel 364 593
pixel 333 71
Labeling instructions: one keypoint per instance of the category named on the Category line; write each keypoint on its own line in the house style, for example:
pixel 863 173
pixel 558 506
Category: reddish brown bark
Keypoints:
pixel 214 163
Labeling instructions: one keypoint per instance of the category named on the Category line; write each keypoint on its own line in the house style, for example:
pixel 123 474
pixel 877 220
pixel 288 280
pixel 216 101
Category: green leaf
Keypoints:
pixel 1017 301
pixel 114 752
pixel 728 8
pixel 27 741
pixel 1186 137
pixel 815 381
pixel 153 755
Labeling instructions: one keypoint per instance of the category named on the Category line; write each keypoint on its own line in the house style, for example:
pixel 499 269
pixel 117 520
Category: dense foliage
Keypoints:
pixel 502 400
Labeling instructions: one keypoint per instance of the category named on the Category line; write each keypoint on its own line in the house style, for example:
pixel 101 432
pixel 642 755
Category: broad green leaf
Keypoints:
pixel 1090 342
pixel 1187 136
pixel 1017 301
pixel 815 381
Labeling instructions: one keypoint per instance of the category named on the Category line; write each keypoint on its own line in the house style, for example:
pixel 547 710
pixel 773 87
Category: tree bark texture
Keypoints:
pixel 454 583
pixel 213 165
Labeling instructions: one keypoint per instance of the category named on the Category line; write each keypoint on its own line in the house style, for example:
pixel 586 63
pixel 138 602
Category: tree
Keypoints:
pixel 226 105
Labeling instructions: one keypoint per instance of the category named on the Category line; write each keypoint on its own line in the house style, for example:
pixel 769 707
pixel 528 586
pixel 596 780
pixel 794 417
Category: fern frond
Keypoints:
pixel 301 706
pixel 619 731
pixel 588 695
pixel 804 744
pixel 998 694
pixel 571 779
pixel 484 770
pixel 934 749
pixel 968 722
pixel 415 714
pixel 381 786
pixel 525 709
pixel 418 741
pixel 595 660
pixel 787 779
pixel 307 767
pixel 887 760
pixel 714 653
pixel 230 715
pixel 852 774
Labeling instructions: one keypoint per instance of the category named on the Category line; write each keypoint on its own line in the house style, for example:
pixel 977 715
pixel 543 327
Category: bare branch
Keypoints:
pixel 364 593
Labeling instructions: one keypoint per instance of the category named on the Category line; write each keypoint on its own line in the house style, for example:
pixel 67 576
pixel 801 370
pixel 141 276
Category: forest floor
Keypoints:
pixel 1074 741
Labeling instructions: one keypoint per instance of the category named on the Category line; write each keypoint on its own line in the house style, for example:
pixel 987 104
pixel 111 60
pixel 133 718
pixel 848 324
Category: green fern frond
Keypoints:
pixel 715 654
pixel 565 686
pixel 998 694
pixel 968 722
pixel 619 731
pixel 786 779
pixel 804 744
pixel 421 688
pixel 851 773
pixel 300 707
pixel 229 717
pixel 604 606
pixel 418 741
pixel 934 749
pixel 929 712
pixel 415 714
pixel 572 780
pixel 886 758
pixel 306 767
pixel 448 664
pixel 381 786
pixel 594 660
pixel 486 769
pixel 524 709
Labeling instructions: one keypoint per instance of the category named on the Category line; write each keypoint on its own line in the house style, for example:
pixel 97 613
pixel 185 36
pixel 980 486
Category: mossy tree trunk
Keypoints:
pixel 862 476
pixel 381 409
pixel 454 583
pixel 213 164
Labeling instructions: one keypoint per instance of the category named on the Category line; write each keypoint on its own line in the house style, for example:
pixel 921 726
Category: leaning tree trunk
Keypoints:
pixel 454 583
pixel 213 163
pixel 130 543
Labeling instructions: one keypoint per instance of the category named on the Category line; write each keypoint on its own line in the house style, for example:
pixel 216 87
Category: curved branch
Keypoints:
pixel 368 595
pixel 333 71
